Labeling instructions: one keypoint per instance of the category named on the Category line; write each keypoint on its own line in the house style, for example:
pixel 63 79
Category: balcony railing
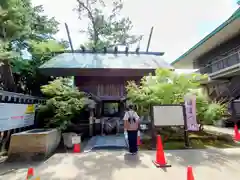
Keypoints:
pixel 223 63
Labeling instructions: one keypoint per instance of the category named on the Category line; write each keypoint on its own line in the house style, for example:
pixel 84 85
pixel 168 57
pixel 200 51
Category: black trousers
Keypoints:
pixel 132 141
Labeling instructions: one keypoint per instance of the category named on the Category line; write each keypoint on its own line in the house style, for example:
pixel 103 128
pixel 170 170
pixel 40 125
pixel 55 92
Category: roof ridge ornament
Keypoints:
pixel 105 49
pixel 126 50
pixel 114 50
pixel 94 49
pixel 83 48
pixel 137 50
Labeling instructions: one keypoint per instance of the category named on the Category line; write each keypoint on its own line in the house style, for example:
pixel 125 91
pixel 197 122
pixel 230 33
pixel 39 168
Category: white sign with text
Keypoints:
pixel 14 116
pixel 190 106
pixel 76 139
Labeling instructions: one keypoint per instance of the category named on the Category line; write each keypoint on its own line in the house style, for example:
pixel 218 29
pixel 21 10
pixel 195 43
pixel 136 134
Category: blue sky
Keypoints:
pixel 178 25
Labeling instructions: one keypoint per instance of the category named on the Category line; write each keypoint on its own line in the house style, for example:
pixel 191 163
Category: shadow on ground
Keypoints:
pixel 214 158
pixel 102 165
pixel 7 168
pixel 98 165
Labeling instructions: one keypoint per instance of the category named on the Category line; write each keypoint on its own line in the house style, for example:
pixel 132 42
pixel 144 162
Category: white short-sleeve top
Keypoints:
pixel 132 125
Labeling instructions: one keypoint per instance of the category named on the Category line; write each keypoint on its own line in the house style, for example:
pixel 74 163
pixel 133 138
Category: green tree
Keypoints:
pixel 168 87
pixel 64 104
pixel 20 21
pixel 21 26
pixel 26 72
pixel 106 30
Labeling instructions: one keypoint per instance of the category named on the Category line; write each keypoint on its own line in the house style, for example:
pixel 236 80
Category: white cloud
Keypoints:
pixel 178 25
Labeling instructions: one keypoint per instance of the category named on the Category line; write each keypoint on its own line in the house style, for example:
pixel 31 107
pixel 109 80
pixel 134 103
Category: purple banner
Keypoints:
pixel 190 106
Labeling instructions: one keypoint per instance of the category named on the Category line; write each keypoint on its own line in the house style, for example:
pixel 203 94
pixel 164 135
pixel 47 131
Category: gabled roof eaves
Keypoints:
pixel 105 61
pixel 111 52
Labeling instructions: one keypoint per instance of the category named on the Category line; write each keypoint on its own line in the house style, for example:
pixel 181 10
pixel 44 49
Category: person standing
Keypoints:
pixel 131 126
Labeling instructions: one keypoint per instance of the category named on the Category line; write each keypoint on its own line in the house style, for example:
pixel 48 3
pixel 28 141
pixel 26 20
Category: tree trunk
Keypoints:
pixel 7 82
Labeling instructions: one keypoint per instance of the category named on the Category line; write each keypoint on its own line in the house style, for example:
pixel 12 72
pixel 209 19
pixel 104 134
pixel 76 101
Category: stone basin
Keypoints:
pixel 35 144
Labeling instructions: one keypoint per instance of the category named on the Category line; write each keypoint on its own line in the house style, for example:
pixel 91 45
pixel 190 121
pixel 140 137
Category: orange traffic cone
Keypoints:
pixel 29 173
pixel 76 148
pixel 160 157
pixel 190 173
pixel 236 133
pixel 138 139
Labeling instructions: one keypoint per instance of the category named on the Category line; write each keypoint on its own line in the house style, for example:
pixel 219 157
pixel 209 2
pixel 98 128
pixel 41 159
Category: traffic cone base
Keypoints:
pixel 236 133
pixel 138 139
pixel 160 157
pixel 30 173
pixel 190 173
pixel 161 165
pixel 237 137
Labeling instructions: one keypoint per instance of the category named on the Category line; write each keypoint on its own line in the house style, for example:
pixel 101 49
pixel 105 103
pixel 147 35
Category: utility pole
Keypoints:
pixel 69 38
pixel 149 39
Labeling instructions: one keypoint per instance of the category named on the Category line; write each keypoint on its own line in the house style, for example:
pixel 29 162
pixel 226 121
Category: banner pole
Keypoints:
pixel 186 136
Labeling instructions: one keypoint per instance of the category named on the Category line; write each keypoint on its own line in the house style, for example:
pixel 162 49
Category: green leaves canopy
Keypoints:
pixel 23 26
pixel 169 87
pixel 64 104
pixel 27 76
pixel 20 21
pixel 166 87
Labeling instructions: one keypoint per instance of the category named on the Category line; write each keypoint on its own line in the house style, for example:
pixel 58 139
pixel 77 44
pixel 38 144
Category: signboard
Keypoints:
pixel 14 116
pixel 168 115
pixel 191 119
pixel 76 139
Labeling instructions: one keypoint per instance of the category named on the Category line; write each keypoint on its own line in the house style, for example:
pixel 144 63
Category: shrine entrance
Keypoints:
pixel 112 117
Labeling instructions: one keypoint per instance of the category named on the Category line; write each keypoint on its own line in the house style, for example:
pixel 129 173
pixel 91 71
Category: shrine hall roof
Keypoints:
pixel 106 61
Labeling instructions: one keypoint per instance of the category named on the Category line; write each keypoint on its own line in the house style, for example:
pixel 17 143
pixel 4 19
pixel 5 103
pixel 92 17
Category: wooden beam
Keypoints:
pixel 112 52
pixel 69 37
pixel 149 39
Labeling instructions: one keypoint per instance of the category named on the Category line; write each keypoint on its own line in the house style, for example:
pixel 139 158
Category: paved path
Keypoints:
pixel 229 131
pixel 107 142
pixel 116 165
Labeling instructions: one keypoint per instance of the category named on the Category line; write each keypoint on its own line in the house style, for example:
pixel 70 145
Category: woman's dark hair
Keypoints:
pixel 130 118
pixel 130 107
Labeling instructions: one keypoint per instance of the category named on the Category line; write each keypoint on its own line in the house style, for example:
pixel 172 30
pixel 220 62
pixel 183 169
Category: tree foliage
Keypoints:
pixel 19 21
pixel 26 73
pixel 106 29
pixel 64 104
pixel 23 26
pixel 209 111
pixel 168 87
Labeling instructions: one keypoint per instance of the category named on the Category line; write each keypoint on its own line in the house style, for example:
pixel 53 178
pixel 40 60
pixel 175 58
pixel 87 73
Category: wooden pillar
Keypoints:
pixel 153 128
pixel 97 122
pixel 102 127
pixel 91 122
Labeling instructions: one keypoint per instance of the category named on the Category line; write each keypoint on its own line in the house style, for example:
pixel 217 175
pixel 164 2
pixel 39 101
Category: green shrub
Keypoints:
pixel 169 87
pixel 209 111
pixel 63 105
pixel 214 112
